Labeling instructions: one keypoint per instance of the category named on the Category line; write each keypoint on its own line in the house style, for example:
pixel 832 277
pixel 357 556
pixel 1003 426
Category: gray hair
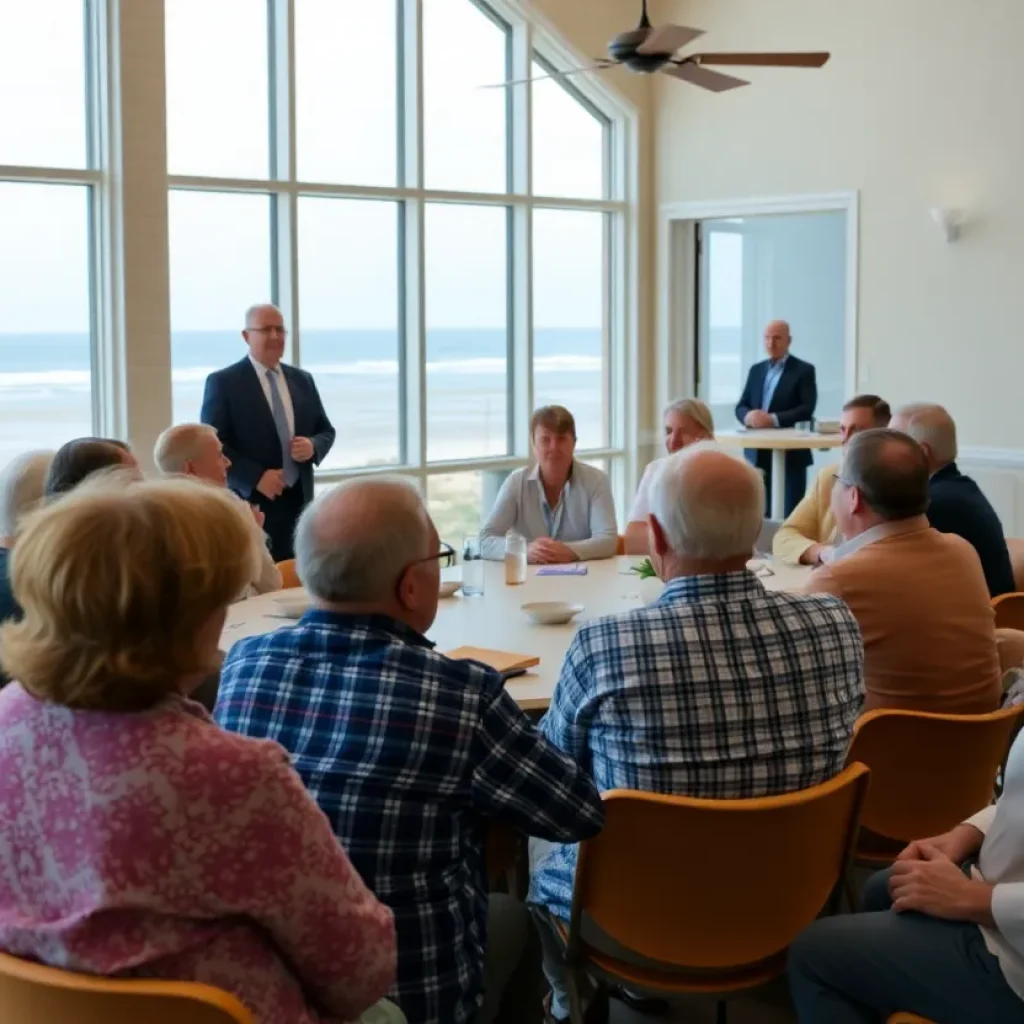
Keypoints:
pixel 354 542
pixel 890 470
pixel 180 444
pixel 710 504
pixel 697 411
pixel 22 483
pixel 931 425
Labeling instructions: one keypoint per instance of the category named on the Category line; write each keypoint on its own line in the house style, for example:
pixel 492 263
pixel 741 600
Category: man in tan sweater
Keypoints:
pixel 809 532
pixel 919 596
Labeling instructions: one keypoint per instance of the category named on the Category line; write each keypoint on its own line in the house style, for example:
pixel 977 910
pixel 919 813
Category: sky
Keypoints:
pixel 346 130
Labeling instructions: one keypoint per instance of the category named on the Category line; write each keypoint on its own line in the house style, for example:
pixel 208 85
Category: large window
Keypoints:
pixel 444 258
pixel 48 202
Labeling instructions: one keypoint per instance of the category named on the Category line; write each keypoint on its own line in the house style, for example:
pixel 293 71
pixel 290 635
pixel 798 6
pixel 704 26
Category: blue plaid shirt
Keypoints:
pixel 409 754
pixel 719 690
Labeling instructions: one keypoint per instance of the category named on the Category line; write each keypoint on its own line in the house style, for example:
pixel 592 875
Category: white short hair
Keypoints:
pixel 181 444
pixel 22 484
pixel 930 424
pixel 354 542
pixel 709 508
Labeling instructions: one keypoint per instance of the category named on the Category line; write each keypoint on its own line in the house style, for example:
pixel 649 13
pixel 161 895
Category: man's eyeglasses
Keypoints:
pixel 446 556
pixel 283 331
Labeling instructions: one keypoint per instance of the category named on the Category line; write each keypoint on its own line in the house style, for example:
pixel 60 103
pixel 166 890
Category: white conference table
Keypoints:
pixel 495 621
pixel 778 442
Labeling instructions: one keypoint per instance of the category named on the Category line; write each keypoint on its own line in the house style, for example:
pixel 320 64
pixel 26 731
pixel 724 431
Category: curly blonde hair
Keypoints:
pixel 116 584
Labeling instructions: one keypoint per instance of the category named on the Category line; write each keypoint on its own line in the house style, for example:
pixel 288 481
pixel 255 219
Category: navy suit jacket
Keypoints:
pixel 956 505
pixel 236 407
pixel 794 400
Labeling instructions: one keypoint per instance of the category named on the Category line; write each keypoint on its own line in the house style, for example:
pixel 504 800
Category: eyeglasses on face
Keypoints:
pixel 273 329
pixel 446 556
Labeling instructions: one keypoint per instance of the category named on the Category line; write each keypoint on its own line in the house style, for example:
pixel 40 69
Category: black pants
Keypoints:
pixel 282 514
pixel 796 479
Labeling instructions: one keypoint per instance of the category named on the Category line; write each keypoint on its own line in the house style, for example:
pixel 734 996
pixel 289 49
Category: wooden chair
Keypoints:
pixel 907 1018
pixel 928 773
pixel 620 548
pixel 1015 545
pixel 710 889
pixel 1009 609
pixel 31 993
pixel 289 577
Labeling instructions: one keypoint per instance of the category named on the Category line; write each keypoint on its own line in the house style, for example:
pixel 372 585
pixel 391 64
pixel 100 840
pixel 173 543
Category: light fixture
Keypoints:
pixel 950 222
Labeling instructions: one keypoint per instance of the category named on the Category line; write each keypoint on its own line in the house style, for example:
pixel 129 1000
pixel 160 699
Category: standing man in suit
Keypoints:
pixel 272 424
pixel 781 391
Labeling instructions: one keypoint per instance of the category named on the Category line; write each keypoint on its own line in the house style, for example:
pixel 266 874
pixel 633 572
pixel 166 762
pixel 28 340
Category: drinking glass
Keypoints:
pixel 472 566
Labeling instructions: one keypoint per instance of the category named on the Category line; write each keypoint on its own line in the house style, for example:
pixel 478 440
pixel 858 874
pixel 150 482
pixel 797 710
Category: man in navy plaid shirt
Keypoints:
pixel 720 689
pixel 408 753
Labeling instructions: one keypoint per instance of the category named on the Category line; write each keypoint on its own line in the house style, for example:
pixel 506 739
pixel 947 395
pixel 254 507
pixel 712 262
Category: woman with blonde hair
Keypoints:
pixel 687 421
pixel 140 839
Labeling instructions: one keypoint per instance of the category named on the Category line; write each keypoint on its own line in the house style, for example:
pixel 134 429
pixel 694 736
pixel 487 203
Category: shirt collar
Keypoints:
pixel 742 583
pixel 262 370
pixel 780 364
pixel 534 473
pixel 345 622
pixel 880 532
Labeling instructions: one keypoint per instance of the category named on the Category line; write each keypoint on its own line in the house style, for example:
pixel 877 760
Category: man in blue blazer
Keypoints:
pixel 781 391
pixel 272 425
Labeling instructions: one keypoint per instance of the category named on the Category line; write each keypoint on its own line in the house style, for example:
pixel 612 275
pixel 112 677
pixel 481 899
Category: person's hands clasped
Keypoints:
pixel 758 419
pixel 271 484
pixel 257 514
pixel 545 551
pixel 957 845
pixel 934 885
pixel 302 449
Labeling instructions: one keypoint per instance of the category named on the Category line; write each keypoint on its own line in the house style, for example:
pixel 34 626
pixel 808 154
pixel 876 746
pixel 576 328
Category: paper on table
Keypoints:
pixel 562 570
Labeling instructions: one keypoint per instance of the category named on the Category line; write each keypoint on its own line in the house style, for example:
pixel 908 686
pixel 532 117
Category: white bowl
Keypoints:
pixel 449 588
pixel 293 603
pixel 551 613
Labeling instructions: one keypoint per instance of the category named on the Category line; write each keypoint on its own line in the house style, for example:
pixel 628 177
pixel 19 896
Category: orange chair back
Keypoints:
pixel 929 772
pixel 907 1018
pixel 31 993
pixel 289 577
pixel 1009 609
pixel 620 548
pixel 706 884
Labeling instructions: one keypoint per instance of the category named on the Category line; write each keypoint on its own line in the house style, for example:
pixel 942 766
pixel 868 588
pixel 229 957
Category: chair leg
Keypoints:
pixel 575 1002
pixel 722 1012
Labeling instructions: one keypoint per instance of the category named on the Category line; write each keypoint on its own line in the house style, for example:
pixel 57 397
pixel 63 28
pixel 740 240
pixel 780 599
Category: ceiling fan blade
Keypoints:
pixel 668 39
pixel 602 64
pixel 713 81
pixel 764 60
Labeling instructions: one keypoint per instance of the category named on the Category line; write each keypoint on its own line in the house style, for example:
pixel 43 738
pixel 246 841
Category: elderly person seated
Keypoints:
pixel 919 595
pixel 941 933
pixel 80 458
pixel 562 507
pixel 687 421
pixel 720 689
pixel 809 534
pixel 194 449
pixel 161 846
pixel 955 502
pixel 21 490
pixel 409 753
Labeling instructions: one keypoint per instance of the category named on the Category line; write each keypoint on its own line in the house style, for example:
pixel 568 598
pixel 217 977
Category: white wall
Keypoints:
pixel 918 108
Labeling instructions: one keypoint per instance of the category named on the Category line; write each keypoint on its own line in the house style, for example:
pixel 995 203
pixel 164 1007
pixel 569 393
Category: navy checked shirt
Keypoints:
pixel 719 690
pixel 409 754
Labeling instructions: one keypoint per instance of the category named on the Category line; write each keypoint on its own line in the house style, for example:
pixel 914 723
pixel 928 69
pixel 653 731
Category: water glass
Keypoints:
pixel 472 566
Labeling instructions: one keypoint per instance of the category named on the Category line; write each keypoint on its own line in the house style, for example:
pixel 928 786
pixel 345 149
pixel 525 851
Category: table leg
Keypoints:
pixel 778 484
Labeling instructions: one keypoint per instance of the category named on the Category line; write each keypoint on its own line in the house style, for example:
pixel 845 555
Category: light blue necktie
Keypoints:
pixel 291 469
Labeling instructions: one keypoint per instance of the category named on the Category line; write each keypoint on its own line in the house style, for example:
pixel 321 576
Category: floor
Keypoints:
pixel 771 1006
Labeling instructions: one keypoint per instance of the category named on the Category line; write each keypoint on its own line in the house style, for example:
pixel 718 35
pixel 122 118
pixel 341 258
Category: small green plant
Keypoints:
pixel 644 570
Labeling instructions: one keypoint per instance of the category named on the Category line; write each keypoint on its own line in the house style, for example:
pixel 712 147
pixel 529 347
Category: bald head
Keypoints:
pixel 354 542
pixel 265 334
pixel 932 428
pixel 708 504
pixel 890 472
pixel 777 339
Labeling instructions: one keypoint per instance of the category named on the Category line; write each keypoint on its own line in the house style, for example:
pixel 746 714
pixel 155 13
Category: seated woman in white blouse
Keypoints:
pixel 562 507
pixel 687 421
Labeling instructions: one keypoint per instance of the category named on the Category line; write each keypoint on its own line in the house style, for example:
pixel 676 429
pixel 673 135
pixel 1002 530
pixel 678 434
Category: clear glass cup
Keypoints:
pixel 472 566
pixel 515 559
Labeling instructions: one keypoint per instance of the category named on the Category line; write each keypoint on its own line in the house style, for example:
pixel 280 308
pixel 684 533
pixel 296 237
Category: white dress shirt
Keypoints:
pixel 642 502
pixel 1001 864
pixel 282 386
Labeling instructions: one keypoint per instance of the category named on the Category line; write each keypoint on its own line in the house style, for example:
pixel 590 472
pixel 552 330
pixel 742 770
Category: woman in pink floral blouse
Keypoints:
pixel 138 839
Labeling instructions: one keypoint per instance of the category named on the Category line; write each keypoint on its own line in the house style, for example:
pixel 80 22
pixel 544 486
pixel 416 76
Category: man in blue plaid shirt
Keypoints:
pixel 719 690
pixel 409 754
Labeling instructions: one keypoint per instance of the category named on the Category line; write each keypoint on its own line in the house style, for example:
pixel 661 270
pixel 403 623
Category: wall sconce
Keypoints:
pixel 950 222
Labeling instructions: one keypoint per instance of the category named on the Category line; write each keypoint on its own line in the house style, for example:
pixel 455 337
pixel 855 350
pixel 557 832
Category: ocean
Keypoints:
pixel 45 387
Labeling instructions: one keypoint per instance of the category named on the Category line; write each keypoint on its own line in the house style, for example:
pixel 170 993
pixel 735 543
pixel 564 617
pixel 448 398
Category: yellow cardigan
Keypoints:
pixel 811 522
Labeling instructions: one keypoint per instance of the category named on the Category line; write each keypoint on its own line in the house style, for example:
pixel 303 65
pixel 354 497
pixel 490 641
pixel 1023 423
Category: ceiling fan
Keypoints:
pixel 647 49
